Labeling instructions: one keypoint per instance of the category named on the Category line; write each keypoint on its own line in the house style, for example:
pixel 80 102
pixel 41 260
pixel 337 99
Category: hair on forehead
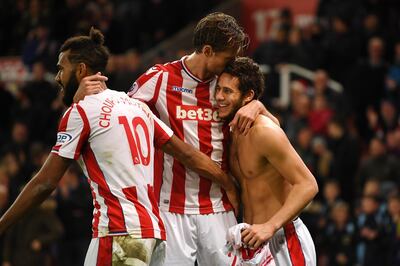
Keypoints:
pixel 249 75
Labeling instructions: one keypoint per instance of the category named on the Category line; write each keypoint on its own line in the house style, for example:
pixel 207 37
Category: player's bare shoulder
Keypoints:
pixel 264 124
pixel 265 132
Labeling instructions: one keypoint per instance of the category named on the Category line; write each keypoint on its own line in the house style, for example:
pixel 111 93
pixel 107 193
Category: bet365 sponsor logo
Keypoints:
pixel 188 112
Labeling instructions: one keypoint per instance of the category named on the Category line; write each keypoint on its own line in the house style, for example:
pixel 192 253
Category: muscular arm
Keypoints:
pixel 273 144
pixel 37 190
pixel 280 153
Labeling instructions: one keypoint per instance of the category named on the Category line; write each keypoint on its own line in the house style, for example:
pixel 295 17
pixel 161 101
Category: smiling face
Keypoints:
pixel 228 96
pixel 66 78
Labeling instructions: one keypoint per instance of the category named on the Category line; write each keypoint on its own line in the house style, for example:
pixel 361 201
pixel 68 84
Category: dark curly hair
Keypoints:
pixel 221 32
pixel 88 49
pixel 249 74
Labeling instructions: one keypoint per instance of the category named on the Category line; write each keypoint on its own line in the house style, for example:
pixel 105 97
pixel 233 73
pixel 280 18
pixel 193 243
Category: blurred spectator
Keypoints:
pixel 393 77
pixel 297 116
pixel 368 81
pixel 39 47
pixel 372 187
pixel 323 160
pixel 273 52
pixel 393 229
pixel 389 116
pixel 371 27
pixel 371 249
pixel 74 208
pixel 299 54
pixel 40 94
pixel 7 102
pixel 303 147
pixel 331 195
pixel 345 151
pixel 320 115
pixel 379 124
pixel 316 215
pixel 380 165
pixel 334 99
pixel 339 237
pixel 341 46
pixel 393 142
pixel 30 241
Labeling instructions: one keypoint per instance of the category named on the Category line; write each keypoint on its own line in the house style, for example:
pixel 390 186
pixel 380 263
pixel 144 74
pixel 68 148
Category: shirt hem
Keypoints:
pixel 207 210
pixel 133 233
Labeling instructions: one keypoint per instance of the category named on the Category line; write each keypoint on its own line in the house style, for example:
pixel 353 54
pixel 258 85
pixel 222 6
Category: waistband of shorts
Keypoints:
pixel 297 223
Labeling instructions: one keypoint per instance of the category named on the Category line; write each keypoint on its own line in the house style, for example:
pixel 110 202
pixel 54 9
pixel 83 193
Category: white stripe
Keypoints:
pixel 217 138
pixel 161 106
pixel 150 85
pixel 103 219
pixel 144 199
pixel 191 136
pixel 161 103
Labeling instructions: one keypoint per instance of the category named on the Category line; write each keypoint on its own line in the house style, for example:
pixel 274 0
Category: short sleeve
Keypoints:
pixel 162 133
pixel 73 133
pixel 146 87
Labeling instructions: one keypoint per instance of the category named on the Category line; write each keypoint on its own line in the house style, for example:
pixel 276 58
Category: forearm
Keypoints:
pixel 204 166
pixel 32 195
pixel 198 162
pixel 298 198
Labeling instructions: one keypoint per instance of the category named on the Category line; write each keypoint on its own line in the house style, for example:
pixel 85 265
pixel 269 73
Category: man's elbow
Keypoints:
pixel 313 188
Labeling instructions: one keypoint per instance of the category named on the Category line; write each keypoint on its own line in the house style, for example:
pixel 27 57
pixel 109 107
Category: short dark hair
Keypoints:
pixel 249 74
pixel 221 32
pixel 88 49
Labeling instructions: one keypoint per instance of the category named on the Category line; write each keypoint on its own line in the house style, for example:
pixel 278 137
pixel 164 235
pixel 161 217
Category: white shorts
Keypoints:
pixel 197 236
pixel 125 250
pixel 292 245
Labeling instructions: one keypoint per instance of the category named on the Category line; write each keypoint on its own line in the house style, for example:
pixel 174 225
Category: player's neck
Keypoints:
pixel 196 64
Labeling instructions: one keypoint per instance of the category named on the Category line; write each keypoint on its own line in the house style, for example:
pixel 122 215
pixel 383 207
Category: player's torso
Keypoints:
pixel 186 105
pixel 118 161
pixel 262 188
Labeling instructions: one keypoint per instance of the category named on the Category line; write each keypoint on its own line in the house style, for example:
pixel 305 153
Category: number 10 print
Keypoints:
pixel 134 140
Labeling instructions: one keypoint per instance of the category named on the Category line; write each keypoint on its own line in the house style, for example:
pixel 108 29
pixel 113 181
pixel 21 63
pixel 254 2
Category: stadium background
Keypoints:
pixel 332 72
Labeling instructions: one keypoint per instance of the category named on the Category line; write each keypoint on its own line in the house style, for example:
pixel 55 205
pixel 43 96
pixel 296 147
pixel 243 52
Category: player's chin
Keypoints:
pixel 222 115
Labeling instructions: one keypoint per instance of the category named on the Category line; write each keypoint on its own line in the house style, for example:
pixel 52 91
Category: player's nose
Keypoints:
pixel 218 95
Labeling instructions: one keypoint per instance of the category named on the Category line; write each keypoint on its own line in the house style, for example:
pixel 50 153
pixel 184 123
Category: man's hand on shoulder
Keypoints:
pixel 247 114
pixel 89 85
pixel 245 117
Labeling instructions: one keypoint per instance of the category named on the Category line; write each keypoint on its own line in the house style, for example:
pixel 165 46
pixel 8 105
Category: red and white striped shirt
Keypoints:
pixel 113 137
pixel 186 104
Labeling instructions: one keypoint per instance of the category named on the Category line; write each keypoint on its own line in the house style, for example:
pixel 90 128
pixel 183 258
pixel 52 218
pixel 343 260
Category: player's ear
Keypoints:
pixel 248 97
pixel 207 50
pixel 81 71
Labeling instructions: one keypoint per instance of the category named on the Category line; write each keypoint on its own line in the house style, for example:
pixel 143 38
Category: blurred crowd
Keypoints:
pixel 349 140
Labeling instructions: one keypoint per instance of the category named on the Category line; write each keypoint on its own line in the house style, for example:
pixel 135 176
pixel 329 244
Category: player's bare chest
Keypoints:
pixel 243 159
